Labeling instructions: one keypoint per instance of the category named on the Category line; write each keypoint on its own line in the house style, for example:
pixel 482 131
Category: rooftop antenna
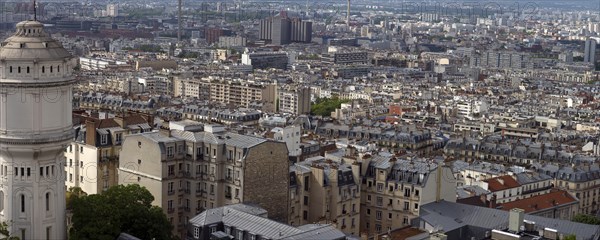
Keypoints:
pixel 34 10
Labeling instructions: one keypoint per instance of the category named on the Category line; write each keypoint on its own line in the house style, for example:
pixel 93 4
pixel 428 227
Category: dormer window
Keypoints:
pixel 103 139
pixel 118 138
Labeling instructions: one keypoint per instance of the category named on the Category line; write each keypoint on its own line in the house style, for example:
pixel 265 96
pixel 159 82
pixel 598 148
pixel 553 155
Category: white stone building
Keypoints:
pixel 36 85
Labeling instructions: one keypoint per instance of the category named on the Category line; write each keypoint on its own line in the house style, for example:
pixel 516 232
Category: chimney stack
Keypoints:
pixel 515 220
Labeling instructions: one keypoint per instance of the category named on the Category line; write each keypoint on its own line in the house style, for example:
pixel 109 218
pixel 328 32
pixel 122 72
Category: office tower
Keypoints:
pixel 590 51
pixel 282 30
pixel 112 10
pixel 35 128
pixel 281 34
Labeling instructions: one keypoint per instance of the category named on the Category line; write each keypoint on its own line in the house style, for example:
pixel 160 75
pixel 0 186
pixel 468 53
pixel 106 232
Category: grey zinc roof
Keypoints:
pixel 449 216
pixel 246 217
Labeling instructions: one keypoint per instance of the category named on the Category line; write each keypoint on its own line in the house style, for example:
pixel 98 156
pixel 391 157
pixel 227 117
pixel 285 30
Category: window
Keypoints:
pixel 196 232
pixel 19 69
pixel 170 152
pixel 70 177
pixel 378 228
pixel 48 201
pixel 405 220
pixel 41 171
pixel 43 69
pixel 379 201
pixel 212 189
pixel 10 69
pixel 416 206
pixel 170 187
pixel 118 138
pixel 1 201
pixel 70 162
pixel 390 216
pixel 406 206
pixel 58 68
pixel 378 215
pixel 305 215
pixel 407 192
pixel 369 198
pixel 27 69
pixel 305 200
pixel 51 69
pixel 368 211
pixel 22 203
pixel 171 169
pixel 81 149
pixel 416 193
pixel 103 139
pixel 139 161
pixel 380 187
pixel 306 183
pixel 28 172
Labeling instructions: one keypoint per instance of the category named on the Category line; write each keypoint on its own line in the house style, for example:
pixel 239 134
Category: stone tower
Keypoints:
pixel 36 85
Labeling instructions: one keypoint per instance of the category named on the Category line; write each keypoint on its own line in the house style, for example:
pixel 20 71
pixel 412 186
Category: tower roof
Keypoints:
pixel 30 42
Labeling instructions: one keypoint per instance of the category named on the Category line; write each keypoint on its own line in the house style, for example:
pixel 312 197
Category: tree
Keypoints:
pixel 120 209
pixel 587 219
pixel 324 106
pixel 5 234
pixel 570 237
pixel 73 193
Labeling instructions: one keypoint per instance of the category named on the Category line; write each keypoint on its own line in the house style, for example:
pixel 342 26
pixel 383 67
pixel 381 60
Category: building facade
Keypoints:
pixel 35 104
pixel 188 172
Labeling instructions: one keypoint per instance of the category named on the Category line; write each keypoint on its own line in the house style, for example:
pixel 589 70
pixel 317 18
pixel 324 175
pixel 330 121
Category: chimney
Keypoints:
pixel 492 203
pixel 90 132
pixel 165 130
pixel 515 220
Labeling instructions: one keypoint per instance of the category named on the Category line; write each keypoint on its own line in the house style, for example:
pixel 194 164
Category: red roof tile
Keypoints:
pixel 501 183
pixel 540 202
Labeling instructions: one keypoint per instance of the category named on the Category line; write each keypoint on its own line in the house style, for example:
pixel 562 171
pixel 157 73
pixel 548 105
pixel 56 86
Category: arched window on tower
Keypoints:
pixel 27 69
pixel 19 69
pixel 58 68
pixel 47 201
pixel 10 69
pixel 43 69
pixel 1 201
pixel 22 203
pixel 50 68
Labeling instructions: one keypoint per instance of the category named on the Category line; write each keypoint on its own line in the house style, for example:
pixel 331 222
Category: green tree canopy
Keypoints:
pixel 5 234
pixel 120 209
pixel 588 219
pixel 324 106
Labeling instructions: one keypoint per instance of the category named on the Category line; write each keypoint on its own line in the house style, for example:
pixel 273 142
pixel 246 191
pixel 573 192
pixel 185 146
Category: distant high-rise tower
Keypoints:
pixel 590 51
pixel 179 23
pixel 282 30
pixel 36 89
pixel 348 14
pixel 112 10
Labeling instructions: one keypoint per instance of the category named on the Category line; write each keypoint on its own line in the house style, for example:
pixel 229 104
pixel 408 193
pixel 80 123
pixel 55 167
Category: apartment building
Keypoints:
pixel 296 101
pixel 242 94
pixel 581 181
pixel 325 191
pixel 265 60
pixel 393 190
pixel 92 159
pixel 190 171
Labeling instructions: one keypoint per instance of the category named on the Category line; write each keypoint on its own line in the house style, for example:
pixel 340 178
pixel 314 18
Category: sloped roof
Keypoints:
pixel 449 216
pixel 501 183
pixel 541 202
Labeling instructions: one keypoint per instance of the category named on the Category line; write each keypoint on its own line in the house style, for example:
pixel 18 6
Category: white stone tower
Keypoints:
pixel 36 85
